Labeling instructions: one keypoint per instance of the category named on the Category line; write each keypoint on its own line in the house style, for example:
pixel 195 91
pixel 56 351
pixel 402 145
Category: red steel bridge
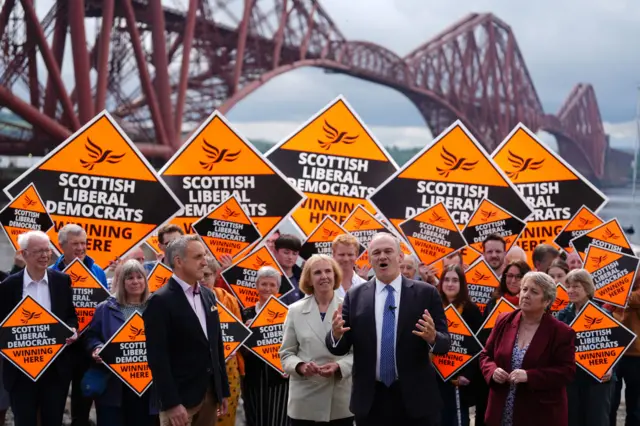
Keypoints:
pixel 159 65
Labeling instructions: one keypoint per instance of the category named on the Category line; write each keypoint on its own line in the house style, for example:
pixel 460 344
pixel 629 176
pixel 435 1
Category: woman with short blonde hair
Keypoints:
pixel 319 382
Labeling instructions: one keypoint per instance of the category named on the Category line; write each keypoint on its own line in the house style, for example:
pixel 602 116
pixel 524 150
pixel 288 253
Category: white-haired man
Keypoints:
pixel 52 290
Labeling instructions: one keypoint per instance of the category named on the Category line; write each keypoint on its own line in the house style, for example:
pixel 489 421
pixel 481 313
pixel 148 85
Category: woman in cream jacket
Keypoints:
pixel 319 382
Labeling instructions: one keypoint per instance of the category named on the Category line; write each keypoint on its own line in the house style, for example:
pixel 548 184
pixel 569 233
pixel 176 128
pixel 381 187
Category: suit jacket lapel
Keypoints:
pixel 369 295
pixel 509 338
pixel 208 300
pixel 405 321
pixel 311 313
pixel 53 295
pixel 538 343
pixel 183 305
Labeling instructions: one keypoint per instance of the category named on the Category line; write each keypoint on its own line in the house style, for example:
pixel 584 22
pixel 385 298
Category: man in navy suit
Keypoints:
pixel 393 324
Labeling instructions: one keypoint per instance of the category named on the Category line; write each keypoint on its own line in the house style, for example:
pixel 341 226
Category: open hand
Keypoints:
pixel 337 325
pixel 425 328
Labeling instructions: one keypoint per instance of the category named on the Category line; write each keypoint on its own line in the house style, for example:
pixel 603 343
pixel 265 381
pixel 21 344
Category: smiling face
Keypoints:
pixel 385 257
pixel 322 277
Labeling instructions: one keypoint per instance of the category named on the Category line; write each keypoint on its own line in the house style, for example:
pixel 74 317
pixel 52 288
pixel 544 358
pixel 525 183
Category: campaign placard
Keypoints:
pixel 32 337
pixel 88 293
pixel 432 234
pixel 613 274
pixel 363 225
pixel 241 276
pixel 581 223
pixel 215 163
pixel 227 229
pixel 267 331
pixel 320 239
pixel 455 170
pixel 502 306
pixel 153 243
pixel 609 236
pixel 561 302
pixel 234 332
pixel 482 283
pixel 555 189
pixel 464 346
pixel 158 276
pixel 600 340
pixel 490 219
pixel 98 179
pixel 336 161
pixel 26 212
pixel 125 354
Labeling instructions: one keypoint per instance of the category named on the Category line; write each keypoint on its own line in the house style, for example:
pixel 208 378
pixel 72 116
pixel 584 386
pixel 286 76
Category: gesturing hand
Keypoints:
pixel 337 325
pixel 425 328
pixel 518 376
pixel 500 376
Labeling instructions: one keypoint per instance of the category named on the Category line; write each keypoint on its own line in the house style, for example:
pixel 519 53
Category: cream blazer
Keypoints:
pixel 314 398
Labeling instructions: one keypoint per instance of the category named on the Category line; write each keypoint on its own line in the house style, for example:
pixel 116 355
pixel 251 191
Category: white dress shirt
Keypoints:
pixel 380 299
pixel 38 290
pixel 356 280
pixel 195 301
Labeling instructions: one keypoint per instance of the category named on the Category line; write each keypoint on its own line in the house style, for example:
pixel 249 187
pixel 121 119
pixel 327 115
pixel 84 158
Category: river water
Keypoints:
pixel 622 207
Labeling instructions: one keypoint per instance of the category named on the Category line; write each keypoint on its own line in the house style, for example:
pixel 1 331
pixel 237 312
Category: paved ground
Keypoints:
pixel 240 417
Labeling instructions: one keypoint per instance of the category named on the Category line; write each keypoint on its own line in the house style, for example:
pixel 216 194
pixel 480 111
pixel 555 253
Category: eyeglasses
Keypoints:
pixel 38 253
pixel 514 276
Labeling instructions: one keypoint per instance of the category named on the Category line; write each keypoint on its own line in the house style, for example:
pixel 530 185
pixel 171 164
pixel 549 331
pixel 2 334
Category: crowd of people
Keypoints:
pixel 357 343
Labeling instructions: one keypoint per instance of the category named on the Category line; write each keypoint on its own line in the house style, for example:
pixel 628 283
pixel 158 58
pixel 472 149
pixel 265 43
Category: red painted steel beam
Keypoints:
pixel 108 7
pixel 80 60
pixel 184 68
pixel 145 79
pixel 162 69
pixel 50 62
pixel 4 15
pixel 58 46
pixel 32 115
pixel 242 43
pixel 32 65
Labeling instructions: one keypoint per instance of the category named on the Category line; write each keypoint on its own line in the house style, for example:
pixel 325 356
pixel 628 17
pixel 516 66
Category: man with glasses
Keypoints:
pixel 52 290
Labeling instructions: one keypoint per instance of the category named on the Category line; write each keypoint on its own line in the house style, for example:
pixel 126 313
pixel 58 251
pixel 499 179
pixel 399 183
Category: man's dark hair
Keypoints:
pixel 168 229
pixel 288 241
pixel 542 250
pixel 494 237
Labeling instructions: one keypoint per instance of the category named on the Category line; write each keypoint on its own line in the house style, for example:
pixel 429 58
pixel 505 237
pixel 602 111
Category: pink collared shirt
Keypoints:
pixel 195 301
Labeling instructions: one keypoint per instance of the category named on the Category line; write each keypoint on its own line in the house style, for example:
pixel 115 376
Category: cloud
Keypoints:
pixel 562 45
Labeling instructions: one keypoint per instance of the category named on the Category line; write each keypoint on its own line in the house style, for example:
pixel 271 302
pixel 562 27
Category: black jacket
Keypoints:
pixel 416 375
pixel 61 306
pixel 182 360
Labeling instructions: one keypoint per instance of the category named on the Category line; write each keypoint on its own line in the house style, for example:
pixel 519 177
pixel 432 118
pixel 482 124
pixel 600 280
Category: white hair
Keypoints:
pixel 268 272
pixel 178 248
pixel 70 229
pixel 414 259
pixel 24 239
pixel 383 234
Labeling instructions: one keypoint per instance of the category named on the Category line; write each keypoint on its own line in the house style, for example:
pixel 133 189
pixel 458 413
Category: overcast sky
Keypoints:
pixel 563 42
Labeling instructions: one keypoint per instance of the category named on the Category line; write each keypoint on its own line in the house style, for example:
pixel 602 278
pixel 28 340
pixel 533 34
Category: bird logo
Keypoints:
pixel 161 280
pixel 485 215
pixel 334 136
pixel 436 218
pixel 597 261
pixel 453 163
pixel 359 223
pixel 216 156
pixel 272 316
pixel 479 276
pixel 229 213
pixel 328 233
pixel 99 156
pixel 452 324
pixel 590 322
pixel 135 332
pixel 28 202
pixel 259 263
pixel 75 278
pixel 610 235
pixel 521 165
pixel 583 222
pixel 559 304
pixel 28 315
